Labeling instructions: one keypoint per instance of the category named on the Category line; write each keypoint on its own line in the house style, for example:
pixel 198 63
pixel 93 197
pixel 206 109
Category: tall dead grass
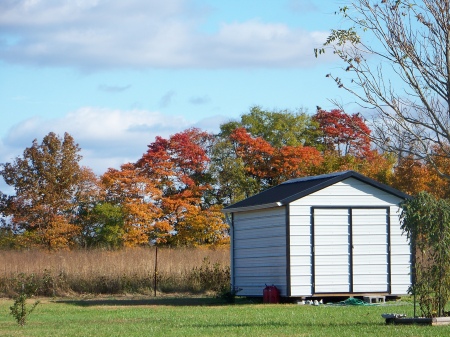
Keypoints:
pixel 112 272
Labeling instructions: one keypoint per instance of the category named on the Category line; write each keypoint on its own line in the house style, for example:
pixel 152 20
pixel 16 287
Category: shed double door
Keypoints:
pixel 350 250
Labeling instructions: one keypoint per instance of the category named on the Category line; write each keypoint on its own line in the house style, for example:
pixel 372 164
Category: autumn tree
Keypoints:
pixel 347 146
pixel 414 176
pixel 129 208
pixel 343 133
pixel 341 142
pixel 396 57
pixel 48 181
pixel 200 226
pixel 265 131
pixel 440 186
pixel 296 161
pixel 179 168
pixel 270 166
pixel 256 154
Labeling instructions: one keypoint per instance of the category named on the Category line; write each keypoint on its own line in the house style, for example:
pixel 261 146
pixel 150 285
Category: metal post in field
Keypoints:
pixel 156 268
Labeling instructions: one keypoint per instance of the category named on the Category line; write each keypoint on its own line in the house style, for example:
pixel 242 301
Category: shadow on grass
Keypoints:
pixel 155 301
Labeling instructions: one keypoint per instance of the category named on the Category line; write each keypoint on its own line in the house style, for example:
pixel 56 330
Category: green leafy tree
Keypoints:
pixel 426 220
pixel 48 181
pixel 106 226
pixel 26 288
pixel 229 172
pixel 278 127
pixel 7 239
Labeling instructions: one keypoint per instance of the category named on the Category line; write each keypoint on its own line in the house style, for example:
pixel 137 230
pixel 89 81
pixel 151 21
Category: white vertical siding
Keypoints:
pixel 260 251
pixel 400 256
pixel 349 192
pixel 259 244
pixel 370 250
pixel 300 251
pixel 370 263
pixel 331 251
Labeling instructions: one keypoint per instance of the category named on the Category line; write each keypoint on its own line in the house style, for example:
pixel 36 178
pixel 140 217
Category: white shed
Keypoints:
pixel 333 234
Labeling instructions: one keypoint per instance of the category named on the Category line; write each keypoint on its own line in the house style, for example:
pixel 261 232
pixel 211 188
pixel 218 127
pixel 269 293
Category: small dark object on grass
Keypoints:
pixel 393 315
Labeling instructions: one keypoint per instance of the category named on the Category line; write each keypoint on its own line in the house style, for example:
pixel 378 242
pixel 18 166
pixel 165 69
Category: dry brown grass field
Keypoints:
pixel 112 272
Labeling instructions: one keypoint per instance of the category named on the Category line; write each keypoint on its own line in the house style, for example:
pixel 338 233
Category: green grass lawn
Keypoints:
pixel 206 317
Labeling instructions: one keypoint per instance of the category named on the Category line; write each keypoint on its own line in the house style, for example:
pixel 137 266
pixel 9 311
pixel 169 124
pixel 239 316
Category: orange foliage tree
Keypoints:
pixel 440 185
pixel 413 175
pixel 178 167
pixel 269 165
pixel 375 165
pixel 138 199
pixel 49 185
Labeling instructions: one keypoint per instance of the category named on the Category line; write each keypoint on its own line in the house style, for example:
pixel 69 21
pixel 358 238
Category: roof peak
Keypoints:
pixel 321 176
pixel 295 189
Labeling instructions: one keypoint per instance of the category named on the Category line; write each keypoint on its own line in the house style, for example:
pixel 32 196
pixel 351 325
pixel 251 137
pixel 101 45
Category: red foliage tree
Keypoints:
pixel 346 134
pixel 256 154
pixel 270 165
pixel 178 166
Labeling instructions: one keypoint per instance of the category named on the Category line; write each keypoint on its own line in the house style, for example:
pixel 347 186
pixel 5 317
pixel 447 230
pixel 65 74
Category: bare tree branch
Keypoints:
pixel 397 53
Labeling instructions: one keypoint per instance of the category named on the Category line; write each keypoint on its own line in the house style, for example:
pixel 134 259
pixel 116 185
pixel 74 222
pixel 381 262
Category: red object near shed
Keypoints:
pixel 271 294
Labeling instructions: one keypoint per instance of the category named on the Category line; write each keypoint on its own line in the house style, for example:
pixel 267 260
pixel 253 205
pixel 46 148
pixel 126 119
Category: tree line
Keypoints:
pixel 173 195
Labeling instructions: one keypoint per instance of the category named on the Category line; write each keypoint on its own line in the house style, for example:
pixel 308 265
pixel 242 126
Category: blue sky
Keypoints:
pixel 115 74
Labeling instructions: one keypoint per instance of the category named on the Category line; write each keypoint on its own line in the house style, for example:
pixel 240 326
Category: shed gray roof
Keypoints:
pixel 297 188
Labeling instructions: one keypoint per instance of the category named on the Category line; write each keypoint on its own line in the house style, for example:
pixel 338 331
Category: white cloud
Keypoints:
pixel 159 34
pixel 254 43
pixel 107 137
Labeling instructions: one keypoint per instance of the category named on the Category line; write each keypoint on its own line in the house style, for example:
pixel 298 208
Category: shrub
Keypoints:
pixel 20 309
pixel 26 287
pixel 212 277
